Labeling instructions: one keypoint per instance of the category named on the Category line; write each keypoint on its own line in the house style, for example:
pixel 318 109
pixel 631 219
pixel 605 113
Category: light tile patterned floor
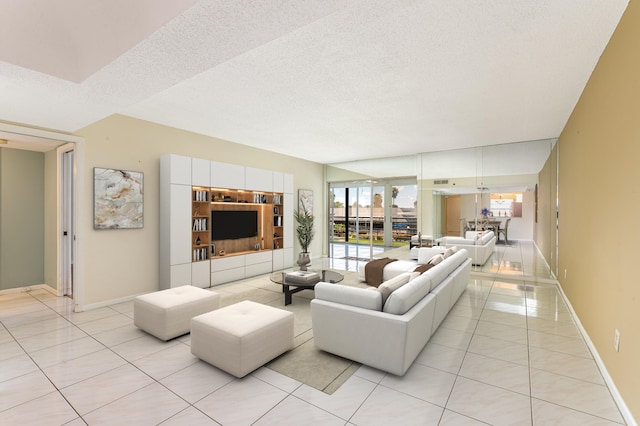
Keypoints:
pixel 508 353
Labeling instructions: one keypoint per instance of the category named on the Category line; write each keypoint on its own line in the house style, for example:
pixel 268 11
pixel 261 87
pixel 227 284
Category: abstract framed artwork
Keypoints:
pixel 305 200
pixel 118 199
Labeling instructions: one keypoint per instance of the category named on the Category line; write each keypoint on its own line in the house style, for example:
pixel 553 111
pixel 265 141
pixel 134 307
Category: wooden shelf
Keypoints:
pixel 200 218
pixel 269 206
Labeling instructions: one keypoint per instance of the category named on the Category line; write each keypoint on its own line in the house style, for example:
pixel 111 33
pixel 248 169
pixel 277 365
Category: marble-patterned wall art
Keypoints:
pixel 305 200
pixel 118 199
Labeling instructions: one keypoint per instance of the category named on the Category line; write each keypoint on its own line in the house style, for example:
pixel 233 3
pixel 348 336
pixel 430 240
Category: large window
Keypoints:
pixel 381 212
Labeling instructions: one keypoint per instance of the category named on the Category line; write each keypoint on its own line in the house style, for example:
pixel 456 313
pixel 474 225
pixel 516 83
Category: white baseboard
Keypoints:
pixel 29 288
pixel 106 303
pixel 624 410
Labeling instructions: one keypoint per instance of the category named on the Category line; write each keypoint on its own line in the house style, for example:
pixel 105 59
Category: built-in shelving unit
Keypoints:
pixel 258 201
pixel 191 190
pixel 278 221
pixel 201 215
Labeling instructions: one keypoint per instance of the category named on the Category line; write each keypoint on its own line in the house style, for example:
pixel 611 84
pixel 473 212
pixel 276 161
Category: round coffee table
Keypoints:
pixel 294 281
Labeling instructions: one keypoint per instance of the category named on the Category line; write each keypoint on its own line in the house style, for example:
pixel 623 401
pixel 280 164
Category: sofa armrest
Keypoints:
pixel 457 241
pixel 384 341
pixel 426 253
pixel 352 296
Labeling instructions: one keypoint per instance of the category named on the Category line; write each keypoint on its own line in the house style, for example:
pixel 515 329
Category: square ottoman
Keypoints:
pixel 167 314
pixel 242 337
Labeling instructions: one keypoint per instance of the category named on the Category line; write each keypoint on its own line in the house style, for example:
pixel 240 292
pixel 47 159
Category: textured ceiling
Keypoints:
pixel 325 81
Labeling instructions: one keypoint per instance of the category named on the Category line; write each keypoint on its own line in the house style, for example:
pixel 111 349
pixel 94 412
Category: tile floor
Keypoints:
pixel 508 353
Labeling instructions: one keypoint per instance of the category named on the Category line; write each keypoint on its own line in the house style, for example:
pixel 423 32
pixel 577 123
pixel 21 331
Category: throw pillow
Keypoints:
pixel 451 250
pixel 436 259
pixel 413 275
pixel 423 268
pixel 389 286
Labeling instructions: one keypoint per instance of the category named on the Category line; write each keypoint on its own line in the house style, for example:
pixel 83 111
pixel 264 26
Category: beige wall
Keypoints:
pixel 599 204
pixel 120 263
pixel 545 228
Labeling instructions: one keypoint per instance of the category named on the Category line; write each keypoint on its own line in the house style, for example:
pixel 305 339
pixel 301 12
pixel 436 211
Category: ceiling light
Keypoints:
pixel 3 141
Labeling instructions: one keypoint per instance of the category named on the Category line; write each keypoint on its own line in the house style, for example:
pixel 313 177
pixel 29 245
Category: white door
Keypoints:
pixel 68 234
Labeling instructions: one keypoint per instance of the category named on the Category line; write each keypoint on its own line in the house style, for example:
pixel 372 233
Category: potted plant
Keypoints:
pixel 304 232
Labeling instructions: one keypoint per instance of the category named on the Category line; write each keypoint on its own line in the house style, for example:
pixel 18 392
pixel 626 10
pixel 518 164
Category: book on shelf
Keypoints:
pixel 200 195
pixel 200 254
pixel 200 224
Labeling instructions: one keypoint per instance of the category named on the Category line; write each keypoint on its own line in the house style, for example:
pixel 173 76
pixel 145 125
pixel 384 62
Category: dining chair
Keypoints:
pixel 464 225
pixel 503 229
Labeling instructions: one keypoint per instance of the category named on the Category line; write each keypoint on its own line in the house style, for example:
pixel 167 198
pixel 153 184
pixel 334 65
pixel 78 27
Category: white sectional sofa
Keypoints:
pixel 480 245
pixel 359 324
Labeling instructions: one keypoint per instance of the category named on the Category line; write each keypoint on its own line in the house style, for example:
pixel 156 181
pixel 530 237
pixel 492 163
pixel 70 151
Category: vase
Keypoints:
pixel 303 260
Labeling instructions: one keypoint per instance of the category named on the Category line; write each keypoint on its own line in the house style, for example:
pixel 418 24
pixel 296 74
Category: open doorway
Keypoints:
pixel 60 158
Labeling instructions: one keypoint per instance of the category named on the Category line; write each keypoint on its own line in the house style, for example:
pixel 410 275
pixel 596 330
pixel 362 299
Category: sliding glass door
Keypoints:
pixel 380 213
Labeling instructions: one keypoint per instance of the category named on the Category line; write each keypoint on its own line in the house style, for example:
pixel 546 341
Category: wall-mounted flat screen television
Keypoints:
pixel 233 224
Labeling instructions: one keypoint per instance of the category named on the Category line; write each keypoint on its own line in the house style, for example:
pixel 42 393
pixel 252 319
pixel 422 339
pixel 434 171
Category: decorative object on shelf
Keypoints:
pixel 304 231
pixel 118 199
pixel 213 249
pixel 198 240
pixel 221 253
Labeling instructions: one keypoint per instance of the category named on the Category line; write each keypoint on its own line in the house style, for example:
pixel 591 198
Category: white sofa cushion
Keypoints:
pixel 450 251
pixel 352 296
pixel 486 237
pixel 404 298
pixel 388 287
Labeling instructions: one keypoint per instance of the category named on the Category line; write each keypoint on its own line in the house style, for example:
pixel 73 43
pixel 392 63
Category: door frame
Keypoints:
pixel 30 134
pixel 63 210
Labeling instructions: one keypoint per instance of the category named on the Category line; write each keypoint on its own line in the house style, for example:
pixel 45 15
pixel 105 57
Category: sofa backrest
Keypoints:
pixel 485 238
pixel 345 295
pixel 404 298
pixel 454 241
pixel 471 235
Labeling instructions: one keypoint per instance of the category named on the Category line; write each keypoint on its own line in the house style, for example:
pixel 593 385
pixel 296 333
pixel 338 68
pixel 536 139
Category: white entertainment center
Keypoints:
pixel 190 189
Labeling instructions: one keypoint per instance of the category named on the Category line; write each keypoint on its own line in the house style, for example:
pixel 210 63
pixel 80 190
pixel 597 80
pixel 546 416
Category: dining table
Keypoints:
pixel 489 224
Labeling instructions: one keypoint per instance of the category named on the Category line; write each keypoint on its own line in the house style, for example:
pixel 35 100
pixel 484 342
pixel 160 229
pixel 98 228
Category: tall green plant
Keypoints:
pixel 304 229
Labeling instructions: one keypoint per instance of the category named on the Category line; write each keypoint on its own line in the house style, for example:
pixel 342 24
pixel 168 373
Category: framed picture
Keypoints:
pixel 305 200
pixel 118 199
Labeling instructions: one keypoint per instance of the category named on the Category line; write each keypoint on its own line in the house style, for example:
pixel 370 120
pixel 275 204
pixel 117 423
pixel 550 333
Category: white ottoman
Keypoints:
pixel 167 314
pixel 241 337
